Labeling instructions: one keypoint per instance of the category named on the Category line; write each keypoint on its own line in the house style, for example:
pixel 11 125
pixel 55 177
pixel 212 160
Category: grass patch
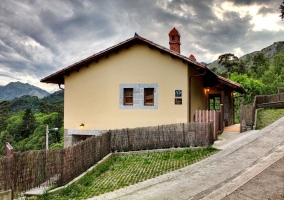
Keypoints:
pixel 268 116
pixel 121 170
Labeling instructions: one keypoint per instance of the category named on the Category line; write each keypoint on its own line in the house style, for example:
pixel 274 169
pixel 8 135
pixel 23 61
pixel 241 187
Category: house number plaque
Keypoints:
pixel 178 93
pixel 178 101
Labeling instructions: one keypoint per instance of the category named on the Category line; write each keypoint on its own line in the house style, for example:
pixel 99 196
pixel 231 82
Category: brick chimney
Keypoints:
pixel 174 40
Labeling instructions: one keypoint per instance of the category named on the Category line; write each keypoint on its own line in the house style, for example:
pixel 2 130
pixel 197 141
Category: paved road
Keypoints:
pixel 267 185
pixel 250 166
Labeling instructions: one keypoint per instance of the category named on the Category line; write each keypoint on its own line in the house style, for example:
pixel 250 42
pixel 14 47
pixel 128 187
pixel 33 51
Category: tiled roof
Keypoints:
pixel 232 84
pixel 58 77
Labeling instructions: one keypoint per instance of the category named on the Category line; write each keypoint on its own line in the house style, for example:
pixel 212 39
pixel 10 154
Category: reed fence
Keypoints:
pixel 24 171
pixel 160 137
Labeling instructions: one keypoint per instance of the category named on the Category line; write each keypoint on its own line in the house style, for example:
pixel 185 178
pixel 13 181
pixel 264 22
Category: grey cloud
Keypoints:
pixel 205 29
pixel 68 31
pixel 265 10
pixel 250 2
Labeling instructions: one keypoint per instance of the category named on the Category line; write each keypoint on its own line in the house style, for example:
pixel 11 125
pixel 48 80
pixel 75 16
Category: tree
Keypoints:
pixel 5 110
pixel 28 124
pixel 5 136
pixel 252 86
pixel 241 67
pixel 260 63
pixel 278 63
pixel 281 7
pixel 228 60
pixel 14 125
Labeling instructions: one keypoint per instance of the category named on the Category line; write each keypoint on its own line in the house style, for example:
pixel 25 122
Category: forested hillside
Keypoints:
pixel 23 122
pixel 268 52
pixel 258 75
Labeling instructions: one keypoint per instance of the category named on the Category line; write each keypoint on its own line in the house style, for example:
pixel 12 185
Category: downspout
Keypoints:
pixel 189 99
pixel 59 85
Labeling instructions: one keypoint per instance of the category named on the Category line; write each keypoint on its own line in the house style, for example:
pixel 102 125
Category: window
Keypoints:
pixel 214 102
pixel 128 96
pixel 173 37
pixel 138 96
pixel 148 96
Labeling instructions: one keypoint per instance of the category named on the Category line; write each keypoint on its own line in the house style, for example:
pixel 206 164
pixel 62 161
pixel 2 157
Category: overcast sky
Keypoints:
pixel 40 37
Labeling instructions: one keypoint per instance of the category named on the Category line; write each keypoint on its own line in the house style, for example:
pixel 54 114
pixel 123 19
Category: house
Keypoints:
pixel 139 83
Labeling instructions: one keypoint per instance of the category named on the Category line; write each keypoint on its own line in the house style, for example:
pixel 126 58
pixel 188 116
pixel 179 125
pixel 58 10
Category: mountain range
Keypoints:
pixel 269 52
pixel 18 89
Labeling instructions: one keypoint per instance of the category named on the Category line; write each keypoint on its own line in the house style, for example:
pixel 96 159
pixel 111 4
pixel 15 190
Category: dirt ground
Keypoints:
pixel 267 185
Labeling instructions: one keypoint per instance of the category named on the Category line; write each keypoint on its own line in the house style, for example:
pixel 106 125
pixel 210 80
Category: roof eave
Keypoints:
pixel 235 86
pixel 58 77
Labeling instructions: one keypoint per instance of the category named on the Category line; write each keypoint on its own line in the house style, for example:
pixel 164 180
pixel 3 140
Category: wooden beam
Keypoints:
pixel 279 104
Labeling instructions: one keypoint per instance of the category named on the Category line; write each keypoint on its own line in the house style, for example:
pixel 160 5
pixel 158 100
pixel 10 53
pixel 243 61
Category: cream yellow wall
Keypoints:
pixel 198 93
pixel 92 94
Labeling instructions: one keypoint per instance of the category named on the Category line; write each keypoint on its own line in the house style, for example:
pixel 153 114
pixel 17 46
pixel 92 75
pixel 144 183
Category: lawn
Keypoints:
pixel 268 116
pixel 125 169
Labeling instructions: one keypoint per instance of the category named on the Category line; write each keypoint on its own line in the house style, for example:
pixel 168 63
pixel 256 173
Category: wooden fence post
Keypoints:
pixel 215 122
pixel 9 150
pixel 222 117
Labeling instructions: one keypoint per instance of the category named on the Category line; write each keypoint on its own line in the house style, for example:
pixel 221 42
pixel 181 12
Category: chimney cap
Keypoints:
pixel 192 57
pixel 174 31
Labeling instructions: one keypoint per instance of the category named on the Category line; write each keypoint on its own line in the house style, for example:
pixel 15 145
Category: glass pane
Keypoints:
pixel 214 102
pixel 149 96
pixel 128 92
pixel 217 100
pixel 149 91
pixel 128 99
pixel 128 96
